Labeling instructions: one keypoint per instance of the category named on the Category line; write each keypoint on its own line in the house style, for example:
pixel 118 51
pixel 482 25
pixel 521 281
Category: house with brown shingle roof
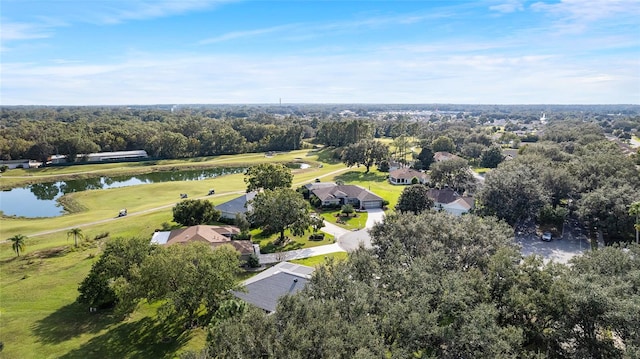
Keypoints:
pixel 447 199
pixel 405 176
pixel 347 194
pixel 215 236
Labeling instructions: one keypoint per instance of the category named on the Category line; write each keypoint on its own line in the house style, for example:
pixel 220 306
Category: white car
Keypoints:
pixel 546 236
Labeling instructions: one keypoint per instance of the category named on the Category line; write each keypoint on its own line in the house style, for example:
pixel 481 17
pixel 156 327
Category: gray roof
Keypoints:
pixel 315 185
pixel 237 205
pixel 266 288
pixel 348 190
pixel 448 195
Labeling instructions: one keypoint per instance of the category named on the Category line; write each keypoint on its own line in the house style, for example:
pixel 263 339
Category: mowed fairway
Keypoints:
pixel 39 317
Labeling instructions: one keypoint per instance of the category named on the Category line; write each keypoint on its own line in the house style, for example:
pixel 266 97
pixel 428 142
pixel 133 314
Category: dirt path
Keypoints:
pixel 139 213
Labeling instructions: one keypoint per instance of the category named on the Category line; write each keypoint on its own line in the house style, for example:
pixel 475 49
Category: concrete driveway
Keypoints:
pixel 352 240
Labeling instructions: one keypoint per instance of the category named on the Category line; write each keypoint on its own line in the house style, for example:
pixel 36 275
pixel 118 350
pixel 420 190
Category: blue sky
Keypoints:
pixel 118 52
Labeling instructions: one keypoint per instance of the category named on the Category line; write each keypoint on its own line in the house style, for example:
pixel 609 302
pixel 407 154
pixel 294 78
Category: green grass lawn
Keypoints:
pixel 356 220
pixel 40 318
pixel 320 260
pixel 266 241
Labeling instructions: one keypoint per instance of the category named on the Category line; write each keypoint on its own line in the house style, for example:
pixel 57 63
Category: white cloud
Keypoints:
pixel 377 78
pixel 147 9
pixel 12 31
pixel 508 6
pixel 576 16
pixel 244 34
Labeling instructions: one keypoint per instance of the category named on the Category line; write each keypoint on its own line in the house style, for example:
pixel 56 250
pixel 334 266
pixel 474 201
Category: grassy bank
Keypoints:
pixel 40 318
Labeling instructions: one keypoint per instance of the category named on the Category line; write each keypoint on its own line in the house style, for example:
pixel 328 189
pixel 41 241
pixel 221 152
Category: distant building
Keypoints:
pixel 102 157
pixel 405 176
pixel 213 235
pixel 13 164
pixel 264 289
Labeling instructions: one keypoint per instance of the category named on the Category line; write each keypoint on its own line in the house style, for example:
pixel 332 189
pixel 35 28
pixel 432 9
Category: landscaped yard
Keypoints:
pixel 320 260
pixel 267 245
pixel 356 220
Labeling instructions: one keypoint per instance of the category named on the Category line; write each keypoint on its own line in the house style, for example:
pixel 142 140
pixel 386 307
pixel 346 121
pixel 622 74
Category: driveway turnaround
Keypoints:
pixel 299 253
pixel 353 240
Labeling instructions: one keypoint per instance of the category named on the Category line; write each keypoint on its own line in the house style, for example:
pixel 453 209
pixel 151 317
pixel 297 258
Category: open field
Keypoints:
pixel 37 301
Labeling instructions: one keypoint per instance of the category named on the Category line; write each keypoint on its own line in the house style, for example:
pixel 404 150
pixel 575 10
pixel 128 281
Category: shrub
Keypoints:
pixel 347 209
pixel 316 237
pixel 253 261
pixel 101 236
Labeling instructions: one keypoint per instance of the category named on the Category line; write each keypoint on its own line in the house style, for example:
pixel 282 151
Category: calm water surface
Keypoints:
pixel 40 200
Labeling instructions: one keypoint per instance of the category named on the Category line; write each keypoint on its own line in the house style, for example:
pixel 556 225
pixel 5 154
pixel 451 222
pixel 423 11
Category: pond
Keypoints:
pixel 40 199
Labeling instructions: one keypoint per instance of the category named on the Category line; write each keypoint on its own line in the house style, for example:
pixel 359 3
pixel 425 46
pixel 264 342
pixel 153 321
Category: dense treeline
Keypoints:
pixel 445 287
pixel 166 131
pixel 42 132
pixel 573 172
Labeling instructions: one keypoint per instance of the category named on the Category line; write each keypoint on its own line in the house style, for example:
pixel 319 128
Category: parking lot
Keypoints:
pixel 558 250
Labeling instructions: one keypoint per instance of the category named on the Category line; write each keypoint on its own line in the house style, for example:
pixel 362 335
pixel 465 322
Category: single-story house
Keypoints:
pixel 347 194
pixel 213 235
pixel 237 205
pixel 449 200
pixel 264 289
pixel 12 164
pixel 406 175
pixel 444 156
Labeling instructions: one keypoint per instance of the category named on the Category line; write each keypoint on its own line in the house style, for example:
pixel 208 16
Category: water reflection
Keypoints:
pixel 39 200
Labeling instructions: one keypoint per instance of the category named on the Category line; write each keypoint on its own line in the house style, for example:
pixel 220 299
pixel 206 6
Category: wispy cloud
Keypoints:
pixel 12 31
pixel 508 6
pixel 148 9
pixel 307 31
pixel 382 77
pixel 575 16
pixel 234 35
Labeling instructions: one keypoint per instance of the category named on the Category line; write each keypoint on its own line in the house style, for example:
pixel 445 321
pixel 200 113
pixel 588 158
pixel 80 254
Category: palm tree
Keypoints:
pixel 18 243
pixel 75 232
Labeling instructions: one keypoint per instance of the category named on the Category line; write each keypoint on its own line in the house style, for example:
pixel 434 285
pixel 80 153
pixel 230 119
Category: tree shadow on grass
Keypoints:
pixel 326 155
pixel 356 176
pixel 71 321
pixel 145 338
